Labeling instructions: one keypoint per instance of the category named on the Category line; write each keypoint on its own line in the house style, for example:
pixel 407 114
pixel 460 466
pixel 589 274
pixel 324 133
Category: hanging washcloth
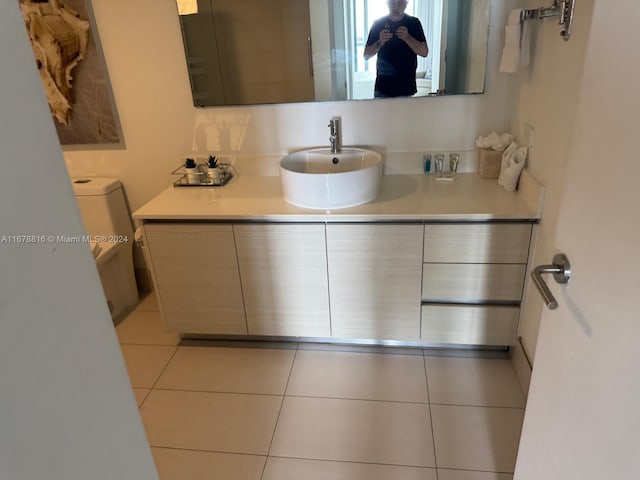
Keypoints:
pixel 525 43
pixel 511 51
pixel 512 163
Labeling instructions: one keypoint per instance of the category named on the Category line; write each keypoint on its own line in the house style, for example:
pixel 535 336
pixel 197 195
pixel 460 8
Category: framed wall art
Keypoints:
pixel 67 50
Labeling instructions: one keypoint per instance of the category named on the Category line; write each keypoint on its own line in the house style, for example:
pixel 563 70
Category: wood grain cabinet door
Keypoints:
pixel 196 276
pixel 284 278
pixel 374 280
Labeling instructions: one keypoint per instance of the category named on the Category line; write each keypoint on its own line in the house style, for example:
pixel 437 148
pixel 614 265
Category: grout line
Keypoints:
pixel 352 461
pixel 275 427
pixel 433 433
pixel 221 392
pixel 227 452
pixel 163 370
pixel 408 402
pixel 475 406
pixel 257 394
pixel 145 397
pixel 480 471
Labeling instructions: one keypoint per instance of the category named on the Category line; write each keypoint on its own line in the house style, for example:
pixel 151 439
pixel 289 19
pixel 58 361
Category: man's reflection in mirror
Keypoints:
pixel 398 39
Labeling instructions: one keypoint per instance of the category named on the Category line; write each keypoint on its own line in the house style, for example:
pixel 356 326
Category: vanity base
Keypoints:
pixel 322 342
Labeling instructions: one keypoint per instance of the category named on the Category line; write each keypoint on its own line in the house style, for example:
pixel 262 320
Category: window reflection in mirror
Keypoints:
pixel 243 52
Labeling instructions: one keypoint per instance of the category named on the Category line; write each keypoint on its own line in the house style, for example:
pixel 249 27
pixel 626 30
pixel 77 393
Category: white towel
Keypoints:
pixel 512 34
pixel 525 43
pixel 512 164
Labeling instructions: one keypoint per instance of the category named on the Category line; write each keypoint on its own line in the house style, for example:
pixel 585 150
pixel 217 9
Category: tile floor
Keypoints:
pixel 285 411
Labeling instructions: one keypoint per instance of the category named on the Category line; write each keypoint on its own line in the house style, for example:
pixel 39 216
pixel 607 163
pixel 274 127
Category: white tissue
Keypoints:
pixel 512 164
pixel 510 60
pixel 494 141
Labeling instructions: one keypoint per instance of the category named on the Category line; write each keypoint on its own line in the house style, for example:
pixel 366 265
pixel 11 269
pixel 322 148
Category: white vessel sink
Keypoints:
pixel 320 179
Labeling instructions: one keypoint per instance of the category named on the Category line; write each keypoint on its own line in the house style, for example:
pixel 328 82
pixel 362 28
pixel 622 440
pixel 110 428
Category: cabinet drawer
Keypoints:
pixel 472 282
pixel 470 325
pixel 477 243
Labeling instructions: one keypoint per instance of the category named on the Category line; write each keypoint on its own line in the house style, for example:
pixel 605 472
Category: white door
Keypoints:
pixel 583 414
pixel 67 410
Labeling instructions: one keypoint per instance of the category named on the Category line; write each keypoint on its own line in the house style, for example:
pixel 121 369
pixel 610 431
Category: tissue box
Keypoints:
pixel 489 163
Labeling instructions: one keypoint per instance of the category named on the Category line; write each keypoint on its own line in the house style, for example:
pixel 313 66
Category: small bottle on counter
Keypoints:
pixel 427 163
pixel 454 158
pixel 439 159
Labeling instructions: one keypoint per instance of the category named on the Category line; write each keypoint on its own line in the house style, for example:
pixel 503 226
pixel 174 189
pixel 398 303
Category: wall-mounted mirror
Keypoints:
pixel 244 52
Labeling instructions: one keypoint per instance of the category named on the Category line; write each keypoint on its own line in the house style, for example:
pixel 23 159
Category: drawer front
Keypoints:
pixel 477 243
pixel 469 325
pixel 472 282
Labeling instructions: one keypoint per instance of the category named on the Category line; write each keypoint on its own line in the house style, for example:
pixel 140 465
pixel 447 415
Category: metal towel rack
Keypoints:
pixel 563 9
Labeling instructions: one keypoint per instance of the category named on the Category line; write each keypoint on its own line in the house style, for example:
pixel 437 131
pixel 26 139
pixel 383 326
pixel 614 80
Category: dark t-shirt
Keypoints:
pixel 397 63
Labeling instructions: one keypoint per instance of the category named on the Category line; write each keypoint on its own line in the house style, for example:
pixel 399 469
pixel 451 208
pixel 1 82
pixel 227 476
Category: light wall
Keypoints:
pixel 547 100
pixel 144 54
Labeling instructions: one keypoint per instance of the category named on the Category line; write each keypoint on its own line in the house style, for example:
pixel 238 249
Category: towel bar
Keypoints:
pixel 564 10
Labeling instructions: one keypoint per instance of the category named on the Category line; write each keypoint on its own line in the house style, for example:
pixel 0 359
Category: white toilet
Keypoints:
pixel 106 218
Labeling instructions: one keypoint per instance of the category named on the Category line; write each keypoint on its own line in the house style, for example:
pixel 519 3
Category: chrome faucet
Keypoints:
pixel 334 139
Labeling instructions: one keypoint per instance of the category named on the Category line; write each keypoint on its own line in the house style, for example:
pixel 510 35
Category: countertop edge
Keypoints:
pixel 460 217
pixel 405 198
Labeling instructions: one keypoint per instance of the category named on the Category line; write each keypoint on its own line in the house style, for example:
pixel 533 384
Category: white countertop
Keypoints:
pixel 402 198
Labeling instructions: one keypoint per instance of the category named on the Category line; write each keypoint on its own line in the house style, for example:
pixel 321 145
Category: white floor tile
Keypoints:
pixel 355 431
pixel 444 474
pixel 473 381
pixel 220 422
pixel 141 394
pixel 148 303
pixel 364 376
pixel 297 469
pixel 476 438
pixel 193 465
pixel 145 363
pixel 236 370
pixel 145 328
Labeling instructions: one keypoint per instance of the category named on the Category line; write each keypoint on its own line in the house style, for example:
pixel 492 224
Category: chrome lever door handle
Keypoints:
pixel 561 270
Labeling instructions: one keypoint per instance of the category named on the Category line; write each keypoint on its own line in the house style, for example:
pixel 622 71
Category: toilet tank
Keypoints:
pixel 103 207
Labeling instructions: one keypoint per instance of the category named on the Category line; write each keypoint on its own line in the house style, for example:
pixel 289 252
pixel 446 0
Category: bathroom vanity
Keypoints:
pixel 427 262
